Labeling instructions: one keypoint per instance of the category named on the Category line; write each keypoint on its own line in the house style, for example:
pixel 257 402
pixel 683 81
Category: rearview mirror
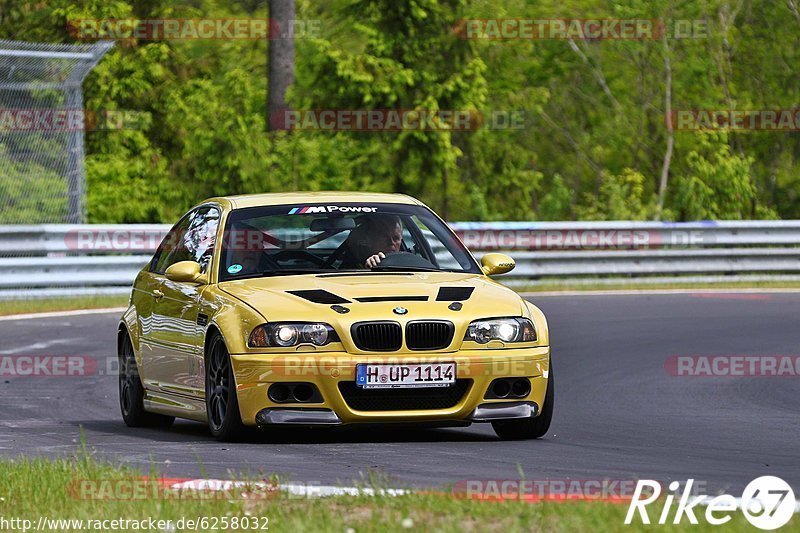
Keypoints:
pixel 329 224
pixel 494 264
pixel 185 272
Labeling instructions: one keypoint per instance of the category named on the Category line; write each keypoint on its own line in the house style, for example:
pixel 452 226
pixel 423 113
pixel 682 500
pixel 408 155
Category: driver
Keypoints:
pixel 377 236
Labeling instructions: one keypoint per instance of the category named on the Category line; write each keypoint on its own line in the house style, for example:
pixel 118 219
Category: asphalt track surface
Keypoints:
pixel 618 413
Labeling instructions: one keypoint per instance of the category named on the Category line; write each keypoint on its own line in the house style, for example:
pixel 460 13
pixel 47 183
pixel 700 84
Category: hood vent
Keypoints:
pixel 370 299
pixel 454 294
pixel 319 296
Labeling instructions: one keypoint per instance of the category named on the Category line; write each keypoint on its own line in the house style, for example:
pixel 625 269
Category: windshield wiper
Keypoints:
pixel 282 272
pixel 292 271
pixel 380 268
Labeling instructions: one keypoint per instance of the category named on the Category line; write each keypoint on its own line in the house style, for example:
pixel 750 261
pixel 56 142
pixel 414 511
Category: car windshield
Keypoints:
pixel 317 238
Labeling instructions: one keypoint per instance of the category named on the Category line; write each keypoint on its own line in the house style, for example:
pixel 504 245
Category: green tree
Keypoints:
pixel 621 197
pixel 410 59
pixel 718 184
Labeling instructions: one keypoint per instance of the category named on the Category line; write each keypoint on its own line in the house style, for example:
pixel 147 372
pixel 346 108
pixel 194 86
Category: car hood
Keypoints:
pixel 374 296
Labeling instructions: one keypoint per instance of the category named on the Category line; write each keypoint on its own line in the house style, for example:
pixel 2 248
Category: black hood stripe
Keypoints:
pixel 369 299
pixel 454 294
pixel 319 296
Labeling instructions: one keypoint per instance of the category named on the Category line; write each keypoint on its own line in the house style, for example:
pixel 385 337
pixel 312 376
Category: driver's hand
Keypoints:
pixel 373 260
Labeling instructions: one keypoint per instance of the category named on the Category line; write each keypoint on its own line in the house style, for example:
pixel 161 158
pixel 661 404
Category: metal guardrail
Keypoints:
pixel 49 260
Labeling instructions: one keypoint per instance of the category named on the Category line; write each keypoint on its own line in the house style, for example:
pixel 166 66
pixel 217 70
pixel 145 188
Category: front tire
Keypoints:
pixel 222 403
pixel 529 428
pixel 131 392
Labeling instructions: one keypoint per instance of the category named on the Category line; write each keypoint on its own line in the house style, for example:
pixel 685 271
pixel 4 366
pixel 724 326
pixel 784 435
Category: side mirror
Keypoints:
pixel 494 264
pixel 185 272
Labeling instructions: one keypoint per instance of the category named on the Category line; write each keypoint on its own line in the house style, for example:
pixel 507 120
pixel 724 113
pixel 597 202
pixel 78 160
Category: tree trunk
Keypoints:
pixel 662 188
pixel 280 64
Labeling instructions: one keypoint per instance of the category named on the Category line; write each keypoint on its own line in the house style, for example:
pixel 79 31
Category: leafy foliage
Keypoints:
pixel 590 145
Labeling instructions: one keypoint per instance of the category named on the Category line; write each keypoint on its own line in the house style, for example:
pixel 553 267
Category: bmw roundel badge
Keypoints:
pixel 400 310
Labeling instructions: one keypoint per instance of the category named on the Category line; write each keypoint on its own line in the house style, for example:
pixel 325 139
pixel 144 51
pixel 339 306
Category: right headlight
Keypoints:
pixel 501 329
pixel 285 334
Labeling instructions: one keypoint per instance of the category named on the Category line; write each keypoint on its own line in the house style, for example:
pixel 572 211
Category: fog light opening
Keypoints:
pixel 278 393
pixel 501 388
pixel 303 392
pixel 521 388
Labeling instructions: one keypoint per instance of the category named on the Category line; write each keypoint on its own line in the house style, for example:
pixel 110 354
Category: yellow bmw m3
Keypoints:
pixel 319 309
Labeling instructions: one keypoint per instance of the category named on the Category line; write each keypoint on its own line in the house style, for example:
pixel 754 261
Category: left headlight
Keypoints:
pixel 285 334
pixel 501 329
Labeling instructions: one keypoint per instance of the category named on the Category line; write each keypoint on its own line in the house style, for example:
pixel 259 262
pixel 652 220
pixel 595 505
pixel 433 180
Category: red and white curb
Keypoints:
pixel 301 490
pixel 292 489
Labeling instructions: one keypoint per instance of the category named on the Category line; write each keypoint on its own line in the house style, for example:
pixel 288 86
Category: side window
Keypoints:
pixel 409 244
pixel 192 239
pixel 205 238
pixel 442 257
pixel 171 241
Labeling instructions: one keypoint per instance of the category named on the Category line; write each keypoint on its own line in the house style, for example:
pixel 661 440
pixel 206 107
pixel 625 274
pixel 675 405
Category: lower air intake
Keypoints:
pixel 403 399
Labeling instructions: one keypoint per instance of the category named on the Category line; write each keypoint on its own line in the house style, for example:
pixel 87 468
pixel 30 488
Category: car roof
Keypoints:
pixel 280 198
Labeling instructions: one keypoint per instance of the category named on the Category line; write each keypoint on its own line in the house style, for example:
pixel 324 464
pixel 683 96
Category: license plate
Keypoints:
pixel 387 376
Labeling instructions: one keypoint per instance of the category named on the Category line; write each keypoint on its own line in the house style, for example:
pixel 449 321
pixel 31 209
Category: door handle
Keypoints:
pixel 158 294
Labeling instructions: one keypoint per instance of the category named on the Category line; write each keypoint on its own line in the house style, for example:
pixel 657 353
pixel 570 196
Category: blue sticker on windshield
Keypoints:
pixel 234 269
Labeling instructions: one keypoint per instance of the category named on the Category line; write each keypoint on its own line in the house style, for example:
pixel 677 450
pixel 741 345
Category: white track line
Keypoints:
pixel 58 314
pixel 646 292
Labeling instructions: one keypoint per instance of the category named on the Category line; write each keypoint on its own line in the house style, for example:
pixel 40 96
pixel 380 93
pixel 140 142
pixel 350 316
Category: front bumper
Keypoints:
pixel 254 373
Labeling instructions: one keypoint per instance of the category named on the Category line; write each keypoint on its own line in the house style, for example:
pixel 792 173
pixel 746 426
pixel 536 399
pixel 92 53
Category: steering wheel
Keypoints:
pixel 405 259
pixel 300 255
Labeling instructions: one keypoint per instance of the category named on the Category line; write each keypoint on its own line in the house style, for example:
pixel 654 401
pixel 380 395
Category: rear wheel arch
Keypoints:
pixel 129 325
pixel 122 331
pixel 131 391
pixel 123 334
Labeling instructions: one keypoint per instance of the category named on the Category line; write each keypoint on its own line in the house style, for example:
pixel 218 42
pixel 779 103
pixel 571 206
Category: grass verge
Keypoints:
pixel 14 307
pixel 31 488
